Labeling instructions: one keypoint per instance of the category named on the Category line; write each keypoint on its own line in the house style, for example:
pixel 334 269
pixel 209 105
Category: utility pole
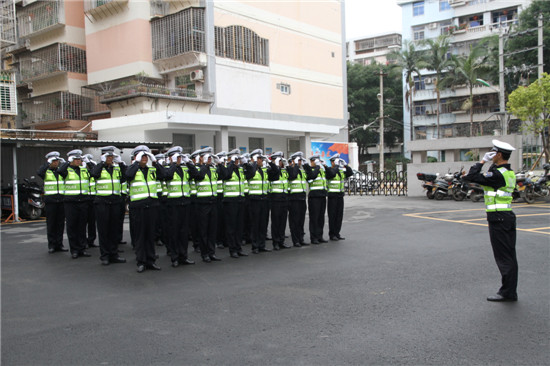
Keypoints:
pixel 502 105
pixel 541 46
pixel 381 99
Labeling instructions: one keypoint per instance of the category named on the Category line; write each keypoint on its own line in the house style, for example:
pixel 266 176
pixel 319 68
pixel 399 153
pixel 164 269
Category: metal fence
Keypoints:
pixel 387 183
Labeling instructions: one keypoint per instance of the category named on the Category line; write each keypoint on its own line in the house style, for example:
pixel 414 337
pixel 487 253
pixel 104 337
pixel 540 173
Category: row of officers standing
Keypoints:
pixel 217 200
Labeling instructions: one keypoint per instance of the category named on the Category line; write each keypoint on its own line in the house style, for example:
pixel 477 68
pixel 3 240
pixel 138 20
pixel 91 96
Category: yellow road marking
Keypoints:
pixel 538 228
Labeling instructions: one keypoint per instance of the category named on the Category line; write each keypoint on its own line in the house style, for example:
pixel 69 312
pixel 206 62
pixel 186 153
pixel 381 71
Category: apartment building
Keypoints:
pixel 235 74
pixel 372 49
pixel 466 21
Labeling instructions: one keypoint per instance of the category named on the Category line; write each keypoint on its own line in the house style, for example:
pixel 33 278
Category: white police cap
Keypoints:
pixel 174 150
pixel 297 154
pixel 316 156
pixel 335 156
pixel 234 152
pixel 257 152
pixel 140 148
pixel 221 154
pixel 277 154
pixel 53 154
pixel 109 150
pixel 502 146
pixel 76 153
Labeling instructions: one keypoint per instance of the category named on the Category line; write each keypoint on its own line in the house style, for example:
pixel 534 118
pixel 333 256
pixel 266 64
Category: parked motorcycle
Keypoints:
pixel 542 186
pixel 428 183
pixel 30 200
pixel 444 187
pixel 525 188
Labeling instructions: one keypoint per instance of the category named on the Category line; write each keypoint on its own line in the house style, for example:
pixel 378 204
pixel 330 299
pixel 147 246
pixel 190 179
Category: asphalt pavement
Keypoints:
pixel 408 286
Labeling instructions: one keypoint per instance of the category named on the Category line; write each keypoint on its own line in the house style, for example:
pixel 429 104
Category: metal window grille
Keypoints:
pixel 52 107
pixel 178 33
pixel 255 143
pixel 39 16
pixel 240 43
pixel 8 100
pixel 52 59
pixel 7 23
pixel 186 141
pixel 93 104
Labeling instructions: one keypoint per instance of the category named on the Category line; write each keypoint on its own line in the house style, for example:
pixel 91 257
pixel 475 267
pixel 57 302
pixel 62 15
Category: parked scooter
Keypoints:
pixel 444 187
pixel 542 186
pixel 30 200
pixel 428 183
pixel 525 188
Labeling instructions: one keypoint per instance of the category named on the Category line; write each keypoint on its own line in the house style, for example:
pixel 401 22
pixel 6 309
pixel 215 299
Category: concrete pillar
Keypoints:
pixel 353 153
pixel 222 139
pixel 305 144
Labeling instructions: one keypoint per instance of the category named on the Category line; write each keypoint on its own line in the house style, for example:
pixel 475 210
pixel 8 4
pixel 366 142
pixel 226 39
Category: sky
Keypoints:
pixel 371 17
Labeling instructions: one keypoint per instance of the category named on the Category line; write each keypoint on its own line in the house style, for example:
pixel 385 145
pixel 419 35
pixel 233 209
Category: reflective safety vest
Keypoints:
pixel 234 187
pixel 208 186
pixel 336 184
pixel 142 187
pixel 500 199
pixel 299 184
pixel 219 186
pixel 179 186
pixel 77 184
pixel 52 184
pixel 257 186
pixel 318 183
pixel 92 187
pixel 108 184
pixel 246 186
pixel 124 188
pixel 281 185
pixel 193 188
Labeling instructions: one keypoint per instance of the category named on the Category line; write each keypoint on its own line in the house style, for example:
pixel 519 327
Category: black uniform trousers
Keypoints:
pixel 121 215
pixel 335 207
pixel 142 229
pixel 178 229
pixel 221 234
pixel 91 223
pixel 55 224
pixel 279 214
pixel 234 222
pixel 206 220
pixel 297 219
pixel 258 222
pixel 192 225
pixel 161 227
pixel 246 215
pixel 503 240
pixel 76 215
pixel 317 207
pixel 107 219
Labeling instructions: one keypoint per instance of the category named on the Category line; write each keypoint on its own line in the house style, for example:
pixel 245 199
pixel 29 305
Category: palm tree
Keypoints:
pixel 409 61
pixel 438 59
pixel 467 69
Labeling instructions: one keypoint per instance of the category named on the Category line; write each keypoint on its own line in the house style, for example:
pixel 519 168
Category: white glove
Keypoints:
pixel 71 158
pixel 285 162
pixel 103 157
pixel 489 156
pixel 174 158
pixel 297 161
pixel 317 162
pixel 205 158
pixel 92 161
pixel 139 156
pixel 197 159
pixel 50 160
pixel 151 156
pixel 342 162
pixel 277 161
pixel 215 159
pixel 161 161
pixel 255 158
pixel 185 159
pixel 61 160
pixel 244 160
pixel 264 164
pixel 117 159
pixel 85 159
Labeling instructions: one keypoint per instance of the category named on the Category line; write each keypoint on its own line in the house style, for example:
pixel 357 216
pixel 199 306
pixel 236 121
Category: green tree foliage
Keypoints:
pixel 364 107
pixel 532 105
pixel 528 19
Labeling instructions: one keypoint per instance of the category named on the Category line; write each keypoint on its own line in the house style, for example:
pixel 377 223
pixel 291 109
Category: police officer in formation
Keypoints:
pixel 53 198
pixel 336 175
pixel 91 228
pixel 194 191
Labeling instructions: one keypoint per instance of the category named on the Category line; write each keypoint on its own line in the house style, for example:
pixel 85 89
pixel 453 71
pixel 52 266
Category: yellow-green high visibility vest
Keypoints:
pixel 280 185
pixel 108 184
pixel 207 187
pixel 77 184
pixel 142 188
pixel 258 186
pixel 234 187
pixel 52 184
pixel 299 185
pixel 193 188
pixel 179 186
pixel 500 199
pixel 336 184
pixel 318 183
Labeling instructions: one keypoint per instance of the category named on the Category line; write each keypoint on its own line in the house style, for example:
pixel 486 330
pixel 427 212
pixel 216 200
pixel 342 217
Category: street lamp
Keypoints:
pixel 380 97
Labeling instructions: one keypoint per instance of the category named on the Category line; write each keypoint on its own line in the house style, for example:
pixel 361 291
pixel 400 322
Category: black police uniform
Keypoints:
pixel 233 211
pixel 258 210
pixel 317 205
pixel 55 212
pixel 297 207
pixel 335 203
pixel 206 215
pixel 279 208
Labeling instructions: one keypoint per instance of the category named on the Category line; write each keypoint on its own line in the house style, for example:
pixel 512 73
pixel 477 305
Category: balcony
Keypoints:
pixel 137 89
pixel 40 17
pixel 51 61
pixel 59 106
pixel 98 9
pixel 8 34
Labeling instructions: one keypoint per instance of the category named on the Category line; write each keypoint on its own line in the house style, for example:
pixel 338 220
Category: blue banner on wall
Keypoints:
pixel 327 149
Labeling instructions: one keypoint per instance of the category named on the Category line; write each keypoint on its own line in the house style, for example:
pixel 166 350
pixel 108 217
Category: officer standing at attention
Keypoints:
pixel 161 229
pixel 258 184
pixel 142 181
pixel 498 184
pixel 177 176
pixel 205 205
pixel 122 206
pixel 233 179
pixel 220 160
pixel 297 199
pixel 336 175
pixel 91 228
pixel 278 176
pixel 317 199
pixel 53 198
pixel 108 178
pixel 77 186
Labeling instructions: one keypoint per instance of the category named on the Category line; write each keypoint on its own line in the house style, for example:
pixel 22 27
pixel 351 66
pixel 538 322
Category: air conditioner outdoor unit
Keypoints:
pixel 196 75
pixel 432 26
pixel 427 80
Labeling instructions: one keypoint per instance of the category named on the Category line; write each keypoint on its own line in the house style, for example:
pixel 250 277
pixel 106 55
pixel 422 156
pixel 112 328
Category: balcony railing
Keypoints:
pixel 151 91
pixel 40 16
pixel 52 107
pixel 45 134
pixel 51 60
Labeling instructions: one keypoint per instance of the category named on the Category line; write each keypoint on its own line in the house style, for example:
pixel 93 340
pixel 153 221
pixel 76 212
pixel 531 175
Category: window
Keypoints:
pixel 418 8
pixel 284 88
pixel 186 141
pixel 232 142
pixel 419 83
pixel 255 143
pixel 475 20
pixel 419 109
pixel 240 43
pixel 418 33
pixel 444 5
pixel 293 145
